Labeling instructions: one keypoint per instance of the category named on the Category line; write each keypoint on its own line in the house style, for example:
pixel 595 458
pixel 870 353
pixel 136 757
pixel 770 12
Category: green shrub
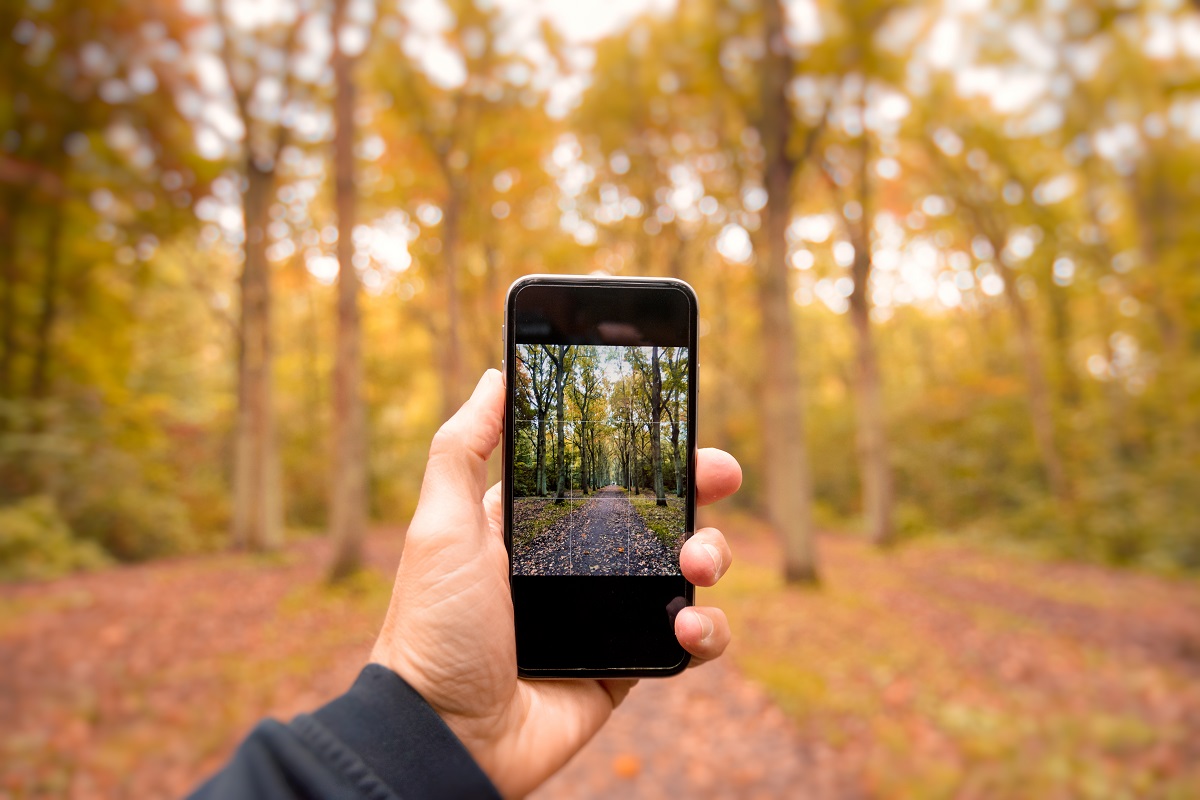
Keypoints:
pixel 132 523
pixel 130 505
pixel 36 543
pixel 911 521
pixel 828 517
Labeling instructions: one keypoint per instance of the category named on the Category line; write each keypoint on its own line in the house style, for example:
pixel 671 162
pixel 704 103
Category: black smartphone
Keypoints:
pixel 598 463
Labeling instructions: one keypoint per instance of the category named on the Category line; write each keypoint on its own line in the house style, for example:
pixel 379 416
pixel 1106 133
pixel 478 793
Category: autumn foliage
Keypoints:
pixel 252 254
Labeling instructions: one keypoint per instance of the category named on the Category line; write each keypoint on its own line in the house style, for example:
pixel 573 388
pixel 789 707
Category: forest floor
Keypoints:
pixel 601 534
pixel 935 670
pixel 946 669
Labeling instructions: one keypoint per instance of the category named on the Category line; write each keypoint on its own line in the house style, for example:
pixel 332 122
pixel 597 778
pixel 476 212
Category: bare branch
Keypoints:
pixel 241 94
pixel 282 131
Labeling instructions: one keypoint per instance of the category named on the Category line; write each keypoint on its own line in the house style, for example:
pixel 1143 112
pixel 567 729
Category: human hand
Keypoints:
pixel 449 629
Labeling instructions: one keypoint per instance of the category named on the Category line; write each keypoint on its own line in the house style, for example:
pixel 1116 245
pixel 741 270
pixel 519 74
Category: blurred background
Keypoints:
pixel 253 253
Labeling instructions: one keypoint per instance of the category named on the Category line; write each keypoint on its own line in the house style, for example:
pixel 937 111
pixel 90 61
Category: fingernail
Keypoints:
pixel 484 385
pixel 486 378
pixel 706 625
pixel 717 560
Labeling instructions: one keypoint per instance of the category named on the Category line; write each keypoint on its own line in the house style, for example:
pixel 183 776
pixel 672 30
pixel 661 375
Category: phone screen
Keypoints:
pixel 598 461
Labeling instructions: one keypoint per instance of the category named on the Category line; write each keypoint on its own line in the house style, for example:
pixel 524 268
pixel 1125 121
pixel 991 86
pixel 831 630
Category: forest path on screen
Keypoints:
pixel 602 535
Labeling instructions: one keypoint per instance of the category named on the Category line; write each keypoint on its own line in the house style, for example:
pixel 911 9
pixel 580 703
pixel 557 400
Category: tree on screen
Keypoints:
pixel 540 368
pixel 586 394
pixel 674 406
pixel 563 358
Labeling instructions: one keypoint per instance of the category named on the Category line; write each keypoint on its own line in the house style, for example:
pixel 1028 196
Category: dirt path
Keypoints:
pixel 931 671
pixel 706 733
pixel 602 535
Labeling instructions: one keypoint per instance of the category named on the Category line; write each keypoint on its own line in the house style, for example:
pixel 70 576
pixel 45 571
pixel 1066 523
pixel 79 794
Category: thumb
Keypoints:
pixel 456 475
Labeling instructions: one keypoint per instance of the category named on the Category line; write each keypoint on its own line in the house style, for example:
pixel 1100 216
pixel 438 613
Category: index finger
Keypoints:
pixel 718 475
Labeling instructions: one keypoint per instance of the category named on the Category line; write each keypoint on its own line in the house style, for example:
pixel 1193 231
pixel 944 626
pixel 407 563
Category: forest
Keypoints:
pixel 944 276
pixel 602 433
pixel 254 252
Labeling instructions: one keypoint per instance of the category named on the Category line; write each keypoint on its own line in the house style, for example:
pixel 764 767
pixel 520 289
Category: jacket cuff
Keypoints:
pixel 401 739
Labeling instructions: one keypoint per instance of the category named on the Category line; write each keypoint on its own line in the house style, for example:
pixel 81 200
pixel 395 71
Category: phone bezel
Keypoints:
pixel 509 336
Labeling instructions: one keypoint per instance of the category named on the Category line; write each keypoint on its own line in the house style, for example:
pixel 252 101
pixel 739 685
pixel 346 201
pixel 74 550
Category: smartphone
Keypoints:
pixel 598 464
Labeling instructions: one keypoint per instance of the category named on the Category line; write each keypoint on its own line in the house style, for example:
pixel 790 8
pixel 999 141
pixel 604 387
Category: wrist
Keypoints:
pixel 402 739
pixel 479 735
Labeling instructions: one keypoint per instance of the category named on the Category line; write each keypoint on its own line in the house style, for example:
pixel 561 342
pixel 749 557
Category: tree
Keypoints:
pixel 676 385
pixel 786 467
pixel 851 186
pixel 563 358
pixel 626 427
pixel 644 417
pixel 656 410
pixel 257 492
pixel 348 504
pixel 454 144
pixel 538 364
pixel 72 76
pixel 989 222
pixel 585 392
pixel 875 469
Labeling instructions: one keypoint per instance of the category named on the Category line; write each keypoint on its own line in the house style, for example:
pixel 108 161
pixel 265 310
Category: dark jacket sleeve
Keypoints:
pixel 378 741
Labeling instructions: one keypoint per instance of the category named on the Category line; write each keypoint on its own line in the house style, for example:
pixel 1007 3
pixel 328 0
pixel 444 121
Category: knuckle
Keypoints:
pixel 447 439
pixel 457 437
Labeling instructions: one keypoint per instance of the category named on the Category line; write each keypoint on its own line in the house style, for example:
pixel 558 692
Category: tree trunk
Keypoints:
pixel 679 485
pixel 660 498
pixel 1123 444
pixel 451 339
pixel 636 480
pixel 583 464
pixel 720 362
pixel 257 501
pixel 540 473
pixel 1169 312
pixel 348 505
pixel 1060 319
pixel 560 380
pixel 1040 408
pixel 626 463
pixel 877 484
pixel 676 264
pixel 597 467
pixel 312 357
pixel 39 385
pixel 878 490
pixel 593 478
pixel 8 303
pixel 786 468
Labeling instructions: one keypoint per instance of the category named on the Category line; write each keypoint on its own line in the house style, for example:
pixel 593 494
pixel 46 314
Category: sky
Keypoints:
pixel 612 361
pixel 589 20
